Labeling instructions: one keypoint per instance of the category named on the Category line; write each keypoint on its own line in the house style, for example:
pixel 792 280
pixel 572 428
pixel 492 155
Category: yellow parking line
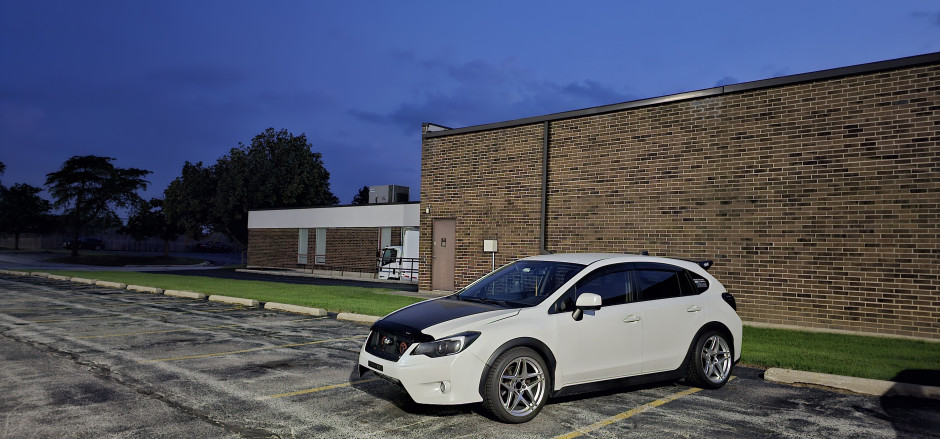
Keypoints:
pixel 628 413
pixel 43 308
pixel 236 308
pixel 631 412
pixel 314 390
pixel 156 332
pixel 73 306
pixel 300 320
pixel 141 303
pixel 112 316
pixel 242 351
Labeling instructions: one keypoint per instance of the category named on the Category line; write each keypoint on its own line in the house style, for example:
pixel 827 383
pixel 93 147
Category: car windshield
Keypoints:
pixel 520 284
pixel 388 256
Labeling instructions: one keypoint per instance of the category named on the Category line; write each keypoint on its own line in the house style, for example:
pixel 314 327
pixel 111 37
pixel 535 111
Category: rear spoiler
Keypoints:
pixel 706 264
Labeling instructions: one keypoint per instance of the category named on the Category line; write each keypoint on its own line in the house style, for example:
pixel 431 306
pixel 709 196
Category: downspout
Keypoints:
pixel 546 141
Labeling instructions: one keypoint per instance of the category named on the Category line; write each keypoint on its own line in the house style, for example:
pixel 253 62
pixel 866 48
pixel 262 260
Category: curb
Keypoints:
pixel 357 318
pixel 318 312
pixel 185 294
pixel 83 280
pixel 234 301
pixel 109 284
pixel 143 289
pixel 864 386
pixel 39 274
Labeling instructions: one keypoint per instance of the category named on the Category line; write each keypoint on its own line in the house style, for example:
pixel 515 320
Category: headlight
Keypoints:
pixel 446 346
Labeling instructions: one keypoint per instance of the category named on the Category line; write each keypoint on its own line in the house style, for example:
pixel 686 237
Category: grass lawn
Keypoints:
pixel 371 301
pixel 852 355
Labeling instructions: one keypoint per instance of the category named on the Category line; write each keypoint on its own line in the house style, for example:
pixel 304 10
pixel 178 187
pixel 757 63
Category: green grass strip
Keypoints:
pixel 371 301
pixel 878 358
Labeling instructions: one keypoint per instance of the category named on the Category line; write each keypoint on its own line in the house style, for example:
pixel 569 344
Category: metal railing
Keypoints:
pixel 407 268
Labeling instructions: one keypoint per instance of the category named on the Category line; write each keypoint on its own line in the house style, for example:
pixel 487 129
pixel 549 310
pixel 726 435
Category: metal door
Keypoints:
pixel 442 255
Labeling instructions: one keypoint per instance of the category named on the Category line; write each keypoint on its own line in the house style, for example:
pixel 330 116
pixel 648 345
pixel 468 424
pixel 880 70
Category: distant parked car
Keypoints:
pixel 213 247
pixel 85 243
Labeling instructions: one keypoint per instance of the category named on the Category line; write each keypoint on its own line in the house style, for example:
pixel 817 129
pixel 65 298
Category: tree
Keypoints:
pixel 89 188
pixel 362 197
pixel 276 170
pixel 190 198
pixel 22 210
pixel 150 220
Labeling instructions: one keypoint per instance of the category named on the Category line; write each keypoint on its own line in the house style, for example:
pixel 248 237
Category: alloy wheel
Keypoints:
pixel 522 386
pixel 716 359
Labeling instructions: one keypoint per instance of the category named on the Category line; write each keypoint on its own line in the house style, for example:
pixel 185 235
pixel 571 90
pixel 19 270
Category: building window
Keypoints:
pixel 385 237
pixel 320 255
pixel 302 246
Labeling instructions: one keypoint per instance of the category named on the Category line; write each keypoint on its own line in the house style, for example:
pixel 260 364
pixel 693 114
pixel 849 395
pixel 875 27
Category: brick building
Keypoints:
pixel 816 194
pixel 336 239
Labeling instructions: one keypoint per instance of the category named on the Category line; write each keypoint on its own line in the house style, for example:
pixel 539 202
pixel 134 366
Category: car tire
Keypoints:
pixel 710 361
pixel 517 385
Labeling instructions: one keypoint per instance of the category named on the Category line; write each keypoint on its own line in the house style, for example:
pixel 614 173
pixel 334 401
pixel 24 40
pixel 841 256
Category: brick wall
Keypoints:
pixel 818 201
pixel 353 249
pixel 272 248
pixel 347 249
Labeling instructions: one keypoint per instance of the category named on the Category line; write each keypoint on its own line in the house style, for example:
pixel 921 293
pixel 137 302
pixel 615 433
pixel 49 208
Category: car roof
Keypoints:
pixel 590 258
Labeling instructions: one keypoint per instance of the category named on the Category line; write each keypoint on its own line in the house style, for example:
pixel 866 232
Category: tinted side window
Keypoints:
pixel 658 284
pixel 612 287
pixel 699 283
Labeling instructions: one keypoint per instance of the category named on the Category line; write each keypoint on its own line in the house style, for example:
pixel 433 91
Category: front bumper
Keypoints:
pixel 454 379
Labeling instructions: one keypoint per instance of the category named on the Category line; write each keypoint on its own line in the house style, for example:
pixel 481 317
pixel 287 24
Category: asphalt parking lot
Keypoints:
pixel 87 361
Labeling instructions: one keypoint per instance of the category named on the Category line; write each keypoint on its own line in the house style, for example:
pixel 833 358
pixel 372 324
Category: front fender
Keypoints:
pixel 529 342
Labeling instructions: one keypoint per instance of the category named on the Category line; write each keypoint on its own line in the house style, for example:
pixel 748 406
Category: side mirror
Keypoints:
pixel 586 301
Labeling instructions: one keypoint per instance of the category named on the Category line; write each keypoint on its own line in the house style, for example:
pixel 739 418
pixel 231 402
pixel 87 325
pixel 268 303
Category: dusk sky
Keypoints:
pixel 156 83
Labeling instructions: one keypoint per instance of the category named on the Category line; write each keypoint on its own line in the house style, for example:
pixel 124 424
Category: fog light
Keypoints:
pixel 445 386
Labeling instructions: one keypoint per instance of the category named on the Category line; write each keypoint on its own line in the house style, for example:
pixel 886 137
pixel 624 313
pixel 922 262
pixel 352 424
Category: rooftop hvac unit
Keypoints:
pixel 388 194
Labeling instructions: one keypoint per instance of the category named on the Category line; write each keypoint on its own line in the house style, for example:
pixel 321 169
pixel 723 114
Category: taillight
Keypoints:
pixel 730 299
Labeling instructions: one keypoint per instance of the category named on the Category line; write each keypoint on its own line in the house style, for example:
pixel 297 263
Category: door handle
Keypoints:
pixel 694 308
pixel 631 319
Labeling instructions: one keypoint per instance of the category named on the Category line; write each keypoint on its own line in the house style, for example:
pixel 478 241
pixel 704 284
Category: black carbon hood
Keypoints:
pixel 411 321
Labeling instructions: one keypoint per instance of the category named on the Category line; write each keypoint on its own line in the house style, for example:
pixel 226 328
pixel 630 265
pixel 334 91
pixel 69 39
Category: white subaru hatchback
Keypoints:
pixel 547 325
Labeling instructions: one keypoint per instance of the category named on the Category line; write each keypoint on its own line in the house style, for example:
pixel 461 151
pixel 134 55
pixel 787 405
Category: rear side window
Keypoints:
pixel 699 283
pixel 658 284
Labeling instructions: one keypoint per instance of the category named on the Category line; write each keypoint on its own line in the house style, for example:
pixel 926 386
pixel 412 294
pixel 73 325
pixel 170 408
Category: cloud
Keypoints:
pixel 479 91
